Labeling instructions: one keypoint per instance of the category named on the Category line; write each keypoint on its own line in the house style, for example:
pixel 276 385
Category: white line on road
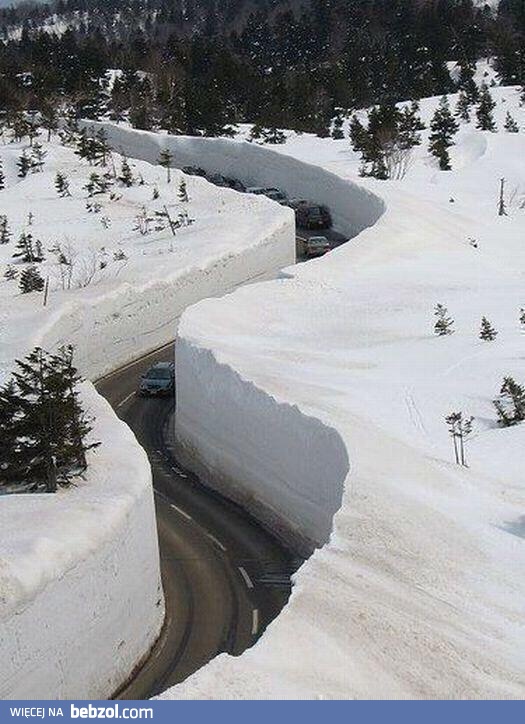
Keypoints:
pixel 126 399
pixel 246 577
pixel 182 512
pixel 216 541
pixel 255 621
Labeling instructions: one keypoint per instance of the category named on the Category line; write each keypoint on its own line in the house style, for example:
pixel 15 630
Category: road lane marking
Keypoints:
pixel 182 512
pixel 126 399
pixel 255 621
pixel 216 541
pixel 246 577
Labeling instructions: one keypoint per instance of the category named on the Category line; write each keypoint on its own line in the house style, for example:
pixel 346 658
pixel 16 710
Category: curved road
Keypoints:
pixel 224 577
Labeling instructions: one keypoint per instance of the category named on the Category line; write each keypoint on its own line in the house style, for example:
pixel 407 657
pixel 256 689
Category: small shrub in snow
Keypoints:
pixel 97 184
pixel 510 405
pixel 43 427
pixel 444 324
pixel 459 429
pixel 522 317
pixel 337 128
pixel 125 176
pixel 38 156
pixel 2 177
pixel 62 185
pixel 155 195
pixel 487 331
pixel 31 281
pixel 183 192
pixel 510 124
pixel 93 207
pixel 5 233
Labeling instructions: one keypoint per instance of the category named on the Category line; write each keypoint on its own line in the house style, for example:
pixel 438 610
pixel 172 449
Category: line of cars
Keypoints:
pixel 308 214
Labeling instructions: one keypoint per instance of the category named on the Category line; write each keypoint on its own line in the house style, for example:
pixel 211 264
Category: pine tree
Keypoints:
pixel 487 331
pixel 443 129
pixel 165 160
pixel 24 165
pixel 2 177
pixel 62 185
pixel 31 280
pixel 38 156
pixel 444 323
pixel 463 107
pixel 49 121
pixel 5 233
pixel 459 429
pixel 97 184
pixel 28 250
pixel 183 192
pixel 485 110
pixel 126 176
pixel 358 134
pixel 337 128
pixel 102 148
pixel 44 423
pixel 510 405
pixel 10 273
pixel 510 124
pixel 408 127
pixel 522 317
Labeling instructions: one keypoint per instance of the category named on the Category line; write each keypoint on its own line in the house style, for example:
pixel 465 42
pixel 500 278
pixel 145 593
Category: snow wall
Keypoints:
pixel 353 207
pixel 81 602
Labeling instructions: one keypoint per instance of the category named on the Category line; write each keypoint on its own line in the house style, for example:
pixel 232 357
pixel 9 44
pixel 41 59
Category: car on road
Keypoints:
pixel 316 246
pixel 272 193
pixel 159 380
pixel 313 216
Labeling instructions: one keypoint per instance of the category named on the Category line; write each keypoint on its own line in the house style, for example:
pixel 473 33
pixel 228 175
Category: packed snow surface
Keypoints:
pixel 420 591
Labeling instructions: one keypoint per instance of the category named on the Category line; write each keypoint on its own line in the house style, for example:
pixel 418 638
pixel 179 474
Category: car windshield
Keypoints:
pixel 159 374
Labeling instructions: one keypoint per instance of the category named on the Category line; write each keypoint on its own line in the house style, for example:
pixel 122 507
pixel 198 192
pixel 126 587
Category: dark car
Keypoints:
pixel 159 380
pixel 316 246
pixel 313 216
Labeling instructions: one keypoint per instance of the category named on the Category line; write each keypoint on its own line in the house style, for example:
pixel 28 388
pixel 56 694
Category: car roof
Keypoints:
pixel 161 365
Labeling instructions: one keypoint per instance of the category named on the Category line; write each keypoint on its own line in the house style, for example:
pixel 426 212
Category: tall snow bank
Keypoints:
pixel 418 593
pixel 81 600
pixel 354 208
pixel 284 467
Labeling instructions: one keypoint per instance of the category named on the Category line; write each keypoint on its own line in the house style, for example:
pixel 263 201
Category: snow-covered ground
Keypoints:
pixel 419 592
pixel 80 600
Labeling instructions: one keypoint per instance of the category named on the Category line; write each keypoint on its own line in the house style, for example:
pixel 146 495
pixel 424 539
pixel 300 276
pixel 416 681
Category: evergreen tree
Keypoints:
pixel 183 192
pixel 102 149
pixel 165 160
pixel 5 233
pixel 38 156
pixel 510 405
pixel 10 273
pixel 272 135
pixel 485 110
pixel 522 317
pixel 510 124
pixel 97 184
pixel 24 165
pixel 49 121
pixel 2 177
pixel 126 176
pixel 463 107
pixel 31 280
pixel 459 429
pixel 358 135
pixel 337 128
pixel 28 250
pixel 487 331
pixel 62 185
pixel 443 129
pixel 444 324
pixel 44 423
pixel 409 125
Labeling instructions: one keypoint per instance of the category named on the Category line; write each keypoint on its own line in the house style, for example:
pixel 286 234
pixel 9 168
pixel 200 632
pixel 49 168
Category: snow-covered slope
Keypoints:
pixel 419 592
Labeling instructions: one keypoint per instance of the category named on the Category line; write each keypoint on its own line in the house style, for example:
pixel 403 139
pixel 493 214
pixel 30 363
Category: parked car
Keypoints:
pixel 257 190
pixel 236 185
pixel 272 193
pixel 316 246
pixel 313 216
pixel 159 380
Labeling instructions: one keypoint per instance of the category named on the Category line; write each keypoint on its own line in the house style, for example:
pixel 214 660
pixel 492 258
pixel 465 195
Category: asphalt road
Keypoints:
pixel 225 578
